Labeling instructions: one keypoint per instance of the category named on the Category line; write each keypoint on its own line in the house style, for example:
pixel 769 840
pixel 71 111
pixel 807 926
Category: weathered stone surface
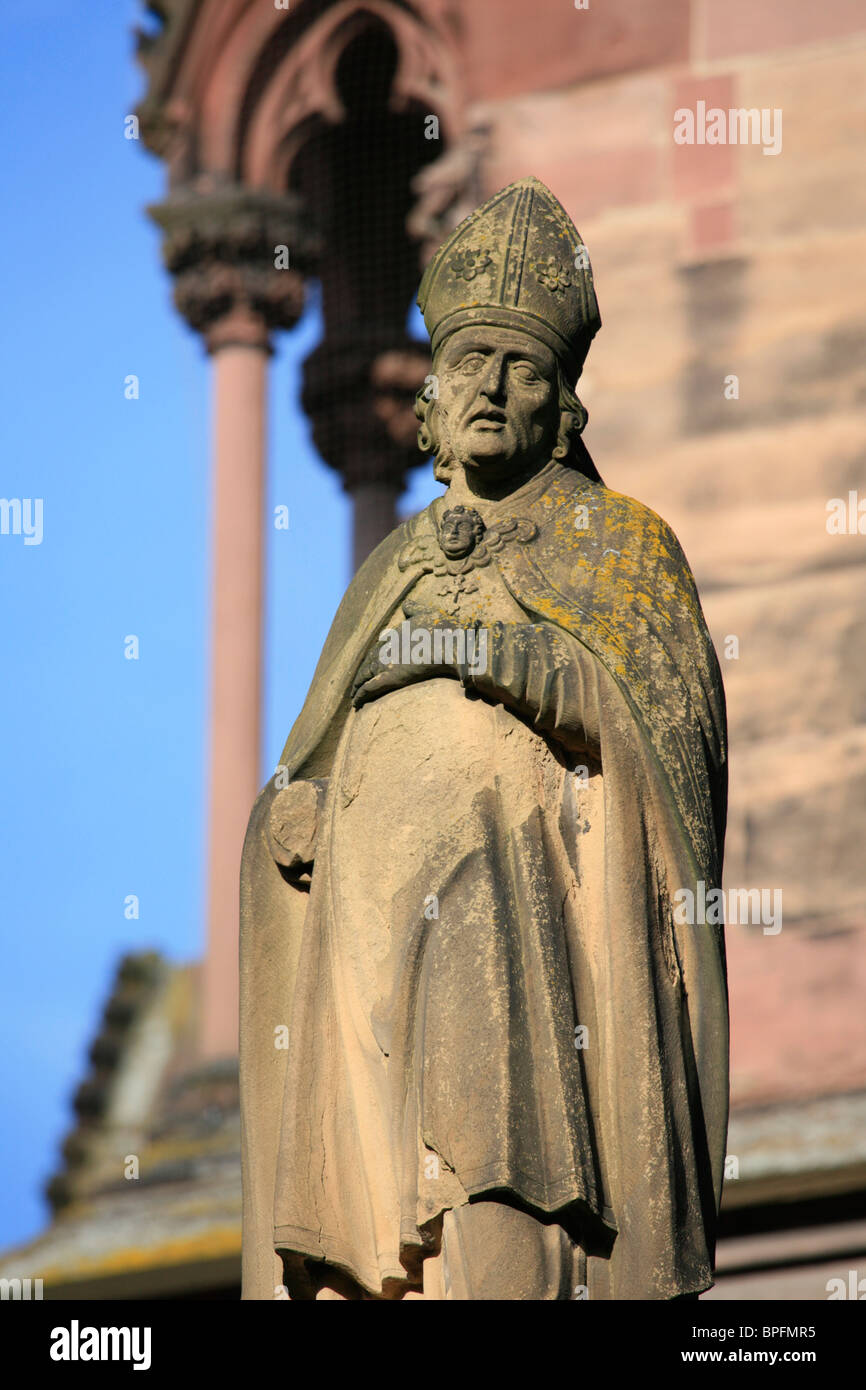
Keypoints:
pixel 801 667
pixel 507 49
pixel 713 227
pixel 798 1033
pixel 751 504
pixel 810 188
pixel 293 827
pixel 740 28
pixel 796 814
pixel 699 169
pixel 620 160
pixel 793 341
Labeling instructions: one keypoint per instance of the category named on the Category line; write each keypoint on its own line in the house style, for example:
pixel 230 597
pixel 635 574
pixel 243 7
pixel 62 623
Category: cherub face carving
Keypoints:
pixel 460 530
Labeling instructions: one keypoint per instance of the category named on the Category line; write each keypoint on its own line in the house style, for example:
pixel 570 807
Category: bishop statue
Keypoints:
pixel 480 1058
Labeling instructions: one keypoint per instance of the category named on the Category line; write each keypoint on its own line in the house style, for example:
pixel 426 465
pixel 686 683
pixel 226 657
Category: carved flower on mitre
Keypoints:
pixel 553 276
pixel 467 264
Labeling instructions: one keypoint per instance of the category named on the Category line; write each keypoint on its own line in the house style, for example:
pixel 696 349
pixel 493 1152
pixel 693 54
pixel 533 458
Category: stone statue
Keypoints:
pixel 480 1059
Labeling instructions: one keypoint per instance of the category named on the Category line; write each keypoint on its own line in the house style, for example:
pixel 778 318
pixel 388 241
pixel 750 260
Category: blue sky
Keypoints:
pixel 104 757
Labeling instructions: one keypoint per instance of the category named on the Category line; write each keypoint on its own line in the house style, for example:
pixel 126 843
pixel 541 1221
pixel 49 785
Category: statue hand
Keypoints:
pixel 377 675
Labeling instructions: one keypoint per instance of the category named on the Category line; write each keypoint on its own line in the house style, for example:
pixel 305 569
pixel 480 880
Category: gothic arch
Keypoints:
pixel 303 88
pixel 231 80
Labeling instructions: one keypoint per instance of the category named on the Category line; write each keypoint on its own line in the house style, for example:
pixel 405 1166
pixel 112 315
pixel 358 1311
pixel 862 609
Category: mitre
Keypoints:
pixel 518 261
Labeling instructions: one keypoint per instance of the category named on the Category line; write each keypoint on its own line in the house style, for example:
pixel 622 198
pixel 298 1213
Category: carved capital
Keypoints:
pixel 359 395
pixel 238 259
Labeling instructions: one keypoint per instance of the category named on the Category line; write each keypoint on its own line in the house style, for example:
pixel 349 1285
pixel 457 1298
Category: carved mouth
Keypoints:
pixel 490 417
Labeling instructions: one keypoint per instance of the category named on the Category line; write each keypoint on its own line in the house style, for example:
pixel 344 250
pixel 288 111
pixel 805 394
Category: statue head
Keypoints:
pixel 460 530
pixel 503 405
pixel 510 306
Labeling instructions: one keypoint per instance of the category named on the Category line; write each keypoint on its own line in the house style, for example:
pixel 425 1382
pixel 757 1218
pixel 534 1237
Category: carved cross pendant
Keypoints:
pixel 456 585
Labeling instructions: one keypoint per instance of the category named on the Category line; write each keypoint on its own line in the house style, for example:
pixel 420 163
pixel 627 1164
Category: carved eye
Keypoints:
pixel 525 371
pixel 472 364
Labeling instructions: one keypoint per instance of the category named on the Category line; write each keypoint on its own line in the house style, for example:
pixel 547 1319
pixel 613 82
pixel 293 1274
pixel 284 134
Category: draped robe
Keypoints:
pixel 485 990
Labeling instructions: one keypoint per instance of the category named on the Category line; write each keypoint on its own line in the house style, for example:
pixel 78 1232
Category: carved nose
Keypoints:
pixel 493 381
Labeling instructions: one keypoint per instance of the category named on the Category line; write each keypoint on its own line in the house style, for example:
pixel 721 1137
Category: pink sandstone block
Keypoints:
pixel 761 26
pixel 511 47
pixel 798 1028
pixel 700 170
pixel 712 227
pixel 595 180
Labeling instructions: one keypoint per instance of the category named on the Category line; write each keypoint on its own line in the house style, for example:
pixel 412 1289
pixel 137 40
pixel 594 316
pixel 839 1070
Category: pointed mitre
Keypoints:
pixel 517 262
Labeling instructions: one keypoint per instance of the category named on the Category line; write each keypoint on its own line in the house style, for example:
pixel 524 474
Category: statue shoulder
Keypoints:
pixel 614 521
pixel 598 537
pixel 631 517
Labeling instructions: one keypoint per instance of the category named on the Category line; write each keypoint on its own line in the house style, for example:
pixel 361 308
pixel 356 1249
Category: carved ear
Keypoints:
pixel 443 470
pixel 293 824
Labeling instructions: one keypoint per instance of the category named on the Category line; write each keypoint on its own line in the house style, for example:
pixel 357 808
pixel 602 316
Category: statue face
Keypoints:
pixel 498 404
pixel 456 534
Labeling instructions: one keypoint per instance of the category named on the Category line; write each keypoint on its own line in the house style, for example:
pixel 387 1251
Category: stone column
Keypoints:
pixel 374 517
pixel 232 283
pixel 239 433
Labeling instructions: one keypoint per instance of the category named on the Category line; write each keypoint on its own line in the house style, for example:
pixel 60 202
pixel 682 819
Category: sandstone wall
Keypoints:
pixel 714 261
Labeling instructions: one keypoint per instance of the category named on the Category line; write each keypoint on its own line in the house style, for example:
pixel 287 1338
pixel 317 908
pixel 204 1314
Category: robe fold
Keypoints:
pixel 492 997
